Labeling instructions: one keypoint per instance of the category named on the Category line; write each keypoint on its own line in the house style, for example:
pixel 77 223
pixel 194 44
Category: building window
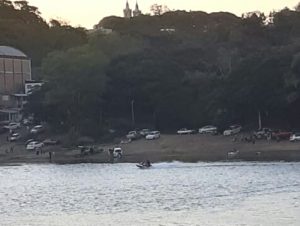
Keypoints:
pixel 5 98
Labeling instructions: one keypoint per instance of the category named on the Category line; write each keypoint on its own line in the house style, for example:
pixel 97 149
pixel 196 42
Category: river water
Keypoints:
pixel 213 194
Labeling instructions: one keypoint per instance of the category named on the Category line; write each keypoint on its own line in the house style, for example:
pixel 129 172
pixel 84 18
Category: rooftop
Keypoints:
pixel 11 52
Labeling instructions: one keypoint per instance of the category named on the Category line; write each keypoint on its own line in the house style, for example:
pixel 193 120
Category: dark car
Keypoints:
pixel 262 133
pixel 281 135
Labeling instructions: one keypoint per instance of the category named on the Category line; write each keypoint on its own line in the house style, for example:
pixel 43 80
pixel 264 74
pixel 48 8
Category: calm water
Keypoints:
pixel 201 194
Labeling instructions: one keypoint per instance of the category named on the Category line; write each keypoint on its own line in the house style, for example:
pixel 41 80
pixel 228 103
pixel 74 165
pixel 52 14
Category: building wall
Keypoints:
pixel 13 73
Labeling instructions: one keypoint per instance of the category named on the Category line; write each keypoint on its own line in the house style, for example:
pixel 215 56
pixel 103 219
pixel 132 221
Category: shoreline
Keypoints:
pixel 134 163
pixel 169 148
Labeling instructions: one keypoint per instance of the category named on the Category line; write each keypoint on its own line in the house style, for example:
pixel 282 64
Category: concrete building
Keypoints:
pixel 15 69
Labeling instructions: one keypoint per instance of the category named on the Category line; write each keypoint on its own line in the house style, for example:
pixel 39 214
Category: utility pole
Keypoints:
pixel 259 120
pixel 132 114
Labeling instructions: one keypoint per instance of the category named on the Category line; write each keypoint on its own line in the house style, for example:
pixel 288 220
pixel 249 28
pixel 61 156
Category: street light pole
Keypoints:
pixel 132 113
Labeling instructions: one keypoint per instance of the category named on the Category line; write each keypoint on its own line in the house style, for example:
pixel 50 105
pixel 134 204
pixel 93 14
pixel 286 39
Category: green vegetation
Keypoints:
pixel 175 69
pixel 22 27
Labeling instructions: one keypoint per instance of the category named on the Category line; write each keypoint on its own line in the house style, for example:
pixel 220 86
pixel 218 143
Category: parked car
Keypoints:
pixel 185 131
pixel 50 141
pixel 208 129
pixel 281 135
pixel 234 129
pixel 145 132
pixel 14 137
pixel 262 133
pixel 34 145
pixel 133 135
pixel 117 153
pixel 37 129
pixel 153 135
pixel 28 141
pixel 13 126
pixel 295 137
pixel 27 121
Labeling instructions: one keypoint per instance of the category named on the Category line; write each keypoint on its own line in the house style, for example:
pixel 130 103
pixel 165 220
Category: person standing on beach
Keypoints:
pixel 269 137
pixel 50 156
pixel 111 155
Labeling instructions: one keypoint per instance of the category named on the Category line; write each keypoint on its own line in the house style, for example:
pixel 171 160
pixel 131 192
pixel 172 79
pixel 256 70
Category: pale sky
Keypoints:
pixel 89 12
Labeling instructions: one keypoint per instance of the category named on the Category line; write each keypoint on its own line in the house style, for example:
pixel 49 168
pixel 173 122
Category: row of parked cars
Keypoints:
pixel 31 144
pixel 151 135
pixel 15 136
pixel 263 133
pixel 17 125
pixel 147 133
pixel 233 129
pixel 277 134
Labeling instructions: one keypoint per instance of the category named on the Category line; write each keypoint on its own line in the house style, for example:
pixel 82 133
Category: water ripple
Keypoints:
pixel 169 194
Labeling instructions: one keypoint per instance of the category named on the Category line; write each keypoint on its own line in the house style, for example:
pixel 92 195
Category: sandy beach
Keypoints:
pixel 185 148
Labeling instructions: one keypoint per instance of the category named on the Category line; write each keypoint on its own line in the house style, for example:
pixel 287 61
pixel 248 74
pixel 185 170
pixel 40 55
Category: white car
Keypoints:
pixel 13 126
pixel 153 135
pixel 208 129
pixel 185 131
pixel 145 132
pixel 295 137
pixel 234 129
pixel 133 135
pixel 14 137
pixel 34 145
pixel 37 129
pixel 117 153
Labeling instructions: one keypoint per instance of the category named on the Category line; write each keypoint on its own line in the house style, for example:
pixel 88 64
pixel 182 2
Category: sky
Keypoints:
pixel 87 13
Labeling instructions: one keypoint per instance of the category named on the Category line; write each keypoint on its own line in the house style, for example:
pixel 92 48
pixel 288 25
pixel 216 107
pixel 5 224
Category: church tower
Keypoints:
pixel 137 11
pixel 127 11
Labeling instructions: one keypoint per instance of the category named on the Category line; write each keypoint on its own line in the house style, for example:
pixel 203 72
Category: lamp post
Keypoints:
pixel 132 113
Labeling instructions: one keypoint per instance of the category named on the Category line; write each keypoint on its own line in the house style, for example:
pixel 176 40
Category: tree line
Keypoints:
pixel 171 70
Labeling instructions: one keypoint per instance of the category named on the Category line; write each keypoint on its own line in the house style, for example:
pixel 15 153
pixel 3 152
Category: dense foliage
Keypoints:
pixel 22 27
pixel 171 70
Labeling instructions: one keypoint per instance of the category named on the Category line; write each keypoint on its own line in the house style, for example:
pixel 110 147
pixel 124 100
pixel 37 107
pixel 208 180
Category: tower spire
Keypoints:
pixel 136 6
pixel 137 11
pixel 127 11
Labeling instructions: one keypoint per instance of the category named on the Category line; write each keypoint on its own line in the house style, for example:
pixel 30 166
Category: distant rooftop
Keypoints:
pixel 11 52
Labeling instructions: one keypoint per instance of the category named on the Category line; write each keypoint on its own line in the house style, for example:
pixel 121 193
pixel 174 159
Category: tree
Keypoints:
pixel 6 3
pixel 77 82
pixel 23 5
pixel 55 23
pixel 158 10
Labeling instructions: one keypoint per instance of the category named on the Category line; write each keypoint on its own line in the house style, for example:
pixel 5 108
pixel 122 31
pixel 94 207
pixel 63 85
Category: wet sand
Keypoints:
pixel 185 148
